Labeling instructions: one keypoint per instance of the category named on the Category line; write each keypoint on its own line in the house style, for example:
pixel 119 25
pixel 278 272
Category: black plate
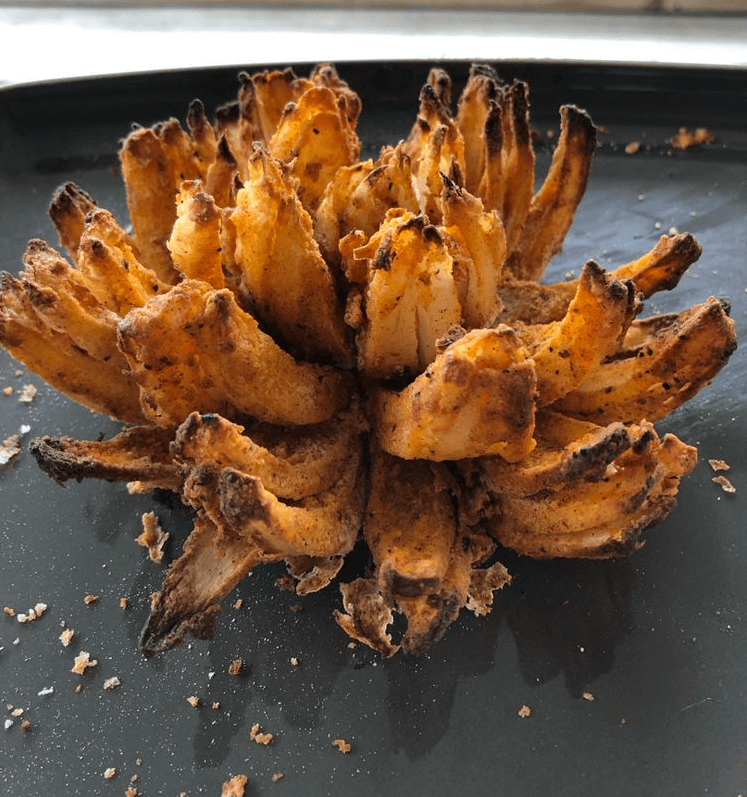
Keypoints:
pixel 658 639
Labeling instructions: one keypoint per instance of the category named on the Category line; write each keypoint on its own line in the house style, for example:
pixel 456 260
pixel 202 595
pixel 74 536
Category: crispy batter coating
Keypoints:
pixel 602 517
pixel 428 565
pixel 194 349
pixel 318 353
pixel 658 373
pixel 477 397
pixel 553 207
pixel 284 278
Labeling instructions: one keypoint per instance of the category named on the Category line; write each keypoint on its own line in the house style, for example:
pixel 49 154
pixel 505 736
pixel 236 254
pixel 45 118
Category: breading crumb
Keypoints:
pixel 724 483
pixel 718 464
pixel 588 696
pixel 66 636
pixel 89 599
pixel 27 394
pixel 32 614
pixel 285 583
pixel 123 603
pixel 153 537
pixel 234 787
pixel 235 667
pixel 112 683
pixel 109 773
pixel 276 777
pixel 10 449
pixel 341 745
pixel 216 705
pixel 82 662
pixel 8 390
pixel 9 610
pixel 193 701
pixel 130 792
pixel 256 735
pixel 293 661
pixel 25 725
pixel 525 711
pixel 684 138
pixel 632 147
pixel 238 604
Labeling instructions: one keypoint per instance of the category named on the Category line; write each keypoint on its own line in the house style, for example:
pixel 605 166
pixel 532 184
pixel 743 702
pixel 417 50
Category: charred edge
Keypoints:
pixel 441 83
pixel 70 197
pixel 447 607
pixel 240 497
pixel 62 465
pixel 397 584
pixel 494 129
pixel 519 95
pixel 687 247
pixel 451 188
pixel 224 152
pixel 642 444
pixel 579 126
pixel 598 455
pixel 247 94
pixel 375 174
pixel 196 115
pixel 163 633
pixel 227 114
pixel 384 257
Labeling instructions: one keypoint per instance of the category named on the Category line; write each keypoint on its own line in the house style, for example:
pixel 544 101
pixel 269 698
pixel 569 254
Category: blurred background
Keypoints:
pixel 43 40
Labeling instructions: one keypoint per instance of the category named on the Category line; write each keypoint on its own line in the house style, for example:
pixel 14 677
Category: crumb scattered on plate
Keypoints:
pixel 277 776
pixel 234 787
pixel 193 701
pixel 684 138
pixel 724 483
pixel 525 711
pixel 256 735
pixel 82 662
pixel 112 683
pixel 32 614
pixel 718 464
pixel 109 773
pixel 10 449
pixel 153 537
pixel 27 394
pixel 632 147
pixel 89 599
pixel 341 745
pixel 66 636
pixel 236 666
pixel 588 696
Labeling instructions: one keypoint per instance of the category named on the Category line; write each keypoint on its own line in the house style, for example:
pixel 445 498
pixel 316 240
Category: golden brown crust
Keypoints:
pixel 320 354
